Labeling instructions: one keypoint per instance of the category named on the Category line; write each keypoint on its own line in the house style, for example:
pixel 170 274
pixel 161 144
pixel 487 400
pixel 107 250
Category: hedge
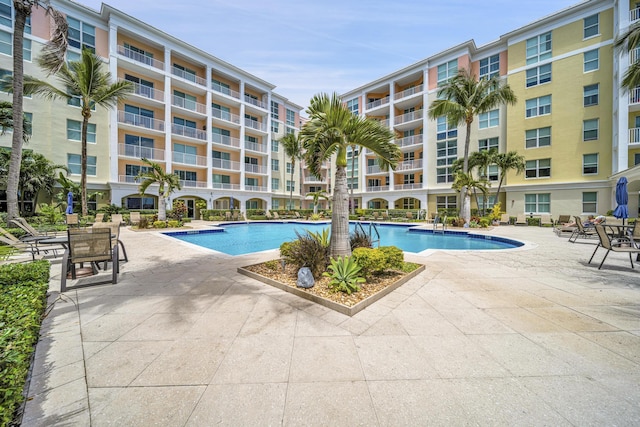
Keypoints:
pixel 23 299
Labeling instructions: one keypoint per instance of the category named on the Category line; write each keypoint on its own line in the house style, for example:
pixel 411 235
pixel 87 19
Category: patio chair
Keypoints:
pixel 275 215
pixel 409 216
pixel 268 215
pixel 88 247
pixel 235 216
pixel 99 217
pixel 563 219
pixel 73 220
pixel 606 243
pixel 28 242
pixel 9 239
pixel 505 219
pixel 28 228
pixel 134 218
pixel 114 227
pixel 375 216
pixel 581 231
pixel 297 214
pixel 117 218
pixel 227 216
pixel 545 219
pixel 521 219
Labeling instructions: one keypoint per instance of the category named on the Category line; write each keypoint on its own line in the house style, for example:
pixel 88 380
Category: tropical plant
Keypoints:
pixel 359 239
pixel 6 121
pixel 330 130
pixel 317 195
pixel 322 237
pixel 393 256
pixel 480 162
pixel 167 184
pixel 370 260
pixel 83 80
pixel 630 41
pixel 460 100
pixel 345 275
pixel 292 146
pixel 466 184
pixel 51 214
pixel 506 162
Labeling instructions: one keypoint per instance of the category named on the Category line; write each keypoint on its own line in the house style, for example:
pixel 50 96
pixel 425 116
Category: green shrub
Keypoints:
pixel 408 267
pixel 393 257
pixel 484 222
pixel 315 217
pixel 272 265
pixel 23 293
pixel 159 224
pixel 174 223
pixel 307 251
pixel 369 260
pixel 144 222
pixel 344 275
pixel 287 249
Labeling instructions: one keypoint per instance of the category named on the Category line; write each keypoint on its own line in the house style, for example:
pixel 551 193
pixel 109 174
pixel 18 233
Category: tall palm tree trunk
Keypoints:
pixel 465 210
pixel 293 167
pixel 21 13
pixel 353 159
pixel 339 245
pixel 498 192
pixel 83 161
pixel 162 205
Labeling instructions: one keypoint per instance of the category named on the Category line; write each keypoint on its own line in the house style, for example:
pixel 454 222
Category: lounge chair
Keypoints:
pixel 385 216
pixel 89 247
pixel 545 219
pixel 115 236
pixel 562 220
pixel 410 216
pixel 375 216
pixel 430 218
pixel 275 215
pixel 134 218
pixel 19 245
pixel 268 215
pixel 117 218
pixel 100 217
pixel 505 219
pixel 297 214
pixel 28 228
pixel 607 243
pixel 582 231
pixel 227 216
pixel 521 219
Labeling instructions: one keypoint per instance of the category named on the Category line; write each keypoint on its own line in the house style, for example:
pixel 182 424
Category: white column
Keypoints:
pixel 168 149
pixel 208 126
pixel 113 113
pixel 242 128
pixel 620 137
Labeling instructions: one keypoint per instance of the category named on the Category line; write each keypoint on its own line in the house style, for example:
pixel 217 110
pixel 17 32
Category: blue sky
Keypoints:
pixel 306 47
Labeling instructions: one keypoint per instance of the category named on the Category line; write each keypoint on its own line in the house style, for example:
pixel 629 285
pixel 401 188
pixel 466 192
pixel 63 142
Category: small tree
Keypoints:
pixel 292 146
pixel 317 195
pixel 506 162
pixel 167 184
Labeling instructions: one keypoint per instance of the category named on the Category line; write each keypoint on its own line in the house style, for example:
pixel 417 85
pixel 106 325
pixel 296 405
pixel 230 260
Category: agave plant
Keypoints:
pixel 344 275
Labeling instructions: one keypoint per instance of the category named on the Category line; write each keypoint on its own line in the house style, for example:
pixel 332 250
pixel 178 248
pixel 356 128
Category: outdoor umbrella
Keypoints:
pixel 622 198
pixel 69 203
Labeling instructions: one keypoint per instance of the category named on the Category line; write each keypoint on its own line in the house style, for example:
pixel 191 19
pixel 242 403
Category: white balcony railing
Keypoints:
pixel 248 167
pixel 188 104
pixel 225 115
pixel 634 96
pixel 261 148
pixel 188 132
pixel 255 188
pixel 634 55
pixel 217 87
pixel 142 121
pixel 189 159
pixel 224 186
pixel 312 179
pixel 255 102
pixel 407 186
pixel 146 91
pixel 253 124
pixel 408 141
pixel 408 92
pixel 225 140
pixel 378 188
pixel 634 14
pixel 140 152
pixel 185 183
pixel 374 169
pixel 408 117
pixel 409 164
pixel 225 164
pixel 139 57
pixel 128 179
pixel 634 136
pixel 378 102
pixel 188 76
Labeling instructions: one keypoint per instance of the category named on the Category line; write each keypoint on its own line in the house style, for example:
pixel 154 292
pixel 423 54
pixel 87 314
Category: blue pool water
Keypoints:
pixel 240 239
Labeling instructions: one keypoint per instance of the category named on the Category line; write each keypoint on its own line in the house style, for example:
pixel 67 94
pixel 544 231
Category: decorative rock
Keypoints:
pixel 305 278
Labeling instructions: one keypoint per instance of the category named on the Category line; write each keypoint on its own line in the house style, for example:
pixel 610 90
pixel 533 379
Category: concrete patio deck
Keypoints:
pixel 520 337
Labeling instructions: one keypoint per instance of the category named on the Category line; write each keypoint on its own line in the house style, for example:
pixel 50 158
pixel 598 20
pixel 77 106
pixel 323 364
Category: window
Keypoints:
pixel 291 185
pixel 291 118
pixel 6 43
pixel 275 110
pixel 539 48
pixel 447 71
pixel 138 146
pixel 26 49
pixel 590 164
pixel 591 27
pixel 493 173
pixel 591 95
pixel 446 202
pixel 6 18
pixel 539 75
pixel 443 131
pixel 275 126
pixel 185 154
pixel 486 203
pixel 81 35
pixel 589 202
pixel 636 159
pixel 489 119
pixel 289 167
pixel 275 204
pixel 275 164
pixel 275 145
pixel 409 178
pixel 74 131
pixel 590 130
pixel 139 203
pixel 591 62
pixel 184 100
pixel 537 203
pixel 218 86
pixel 275 183
pixel 184 72
pixel 76 101
pixel 538 168
pixel 186 175
pixel 538 106
pixel 488 144
pixel 535 138
pixel 134 170
pixel 289 131
pixel 490 67
pixel 75 166
pixel 446 154
pixel 352 105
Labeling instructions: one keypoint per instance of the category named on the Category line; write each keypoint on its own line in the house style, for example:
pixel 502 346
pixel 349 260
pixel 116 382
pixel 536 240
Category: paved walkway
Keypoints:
pixel 523 337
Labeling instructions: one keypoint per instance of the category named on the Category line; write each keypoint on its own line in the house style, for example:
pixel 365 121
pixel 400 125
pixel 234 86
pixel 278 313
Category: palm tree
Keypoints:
pixel 293 149
pixel 168 183
pixel 317 195
pixel 630 41
pixel 460 100
pixel 465 182
pixel 330 130
pixel 481 160
pixel 354 156
pixel 54 51
pixel 85 80
pixel 506 162
pixel 6 121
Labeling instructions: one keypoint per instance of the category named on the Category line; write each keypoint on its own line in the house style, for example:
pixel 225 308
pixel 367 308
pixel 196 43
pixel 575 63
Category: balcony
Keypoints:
pixel 188 104
pixel 217 87
pixel 229 165
pixel 634 136
pixel 225 186
pixel 634 15
pixel 408 92
pixel 189 159
pixel 374 170
pixel 255 188
pixel 407 186
pixel 225 140
pixel 378 103
pixel 138 152
pixel 140 121
pixel 253 124
pixel 138 57
pixel 312 179
pixel 409 141
pixel 192 184
pixel 409 164
pixel 263 170
pixel 225 115
pixel 128 179
pixel 634 96
pixel 378 188
pixel 260 148
pixel 188 76
pixel 146 91
pixel 408 117
pixel 255 102
pixel 188 132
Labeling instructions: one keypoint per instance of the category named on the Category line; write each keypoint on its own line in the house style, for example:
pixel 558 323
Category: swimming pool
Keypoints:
pixel 240 239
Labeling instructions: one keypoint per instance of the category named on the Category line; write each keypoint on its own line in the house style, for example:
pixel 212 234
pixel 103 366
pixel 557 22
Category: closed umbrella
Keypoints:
pixel 69 203
pixel 622 199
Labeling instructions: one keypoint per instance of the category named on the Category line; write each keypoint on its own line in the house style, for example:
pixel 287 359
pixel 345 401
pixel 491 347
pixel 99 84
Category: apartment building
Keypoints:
pixel 575 126
pixel 214 125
